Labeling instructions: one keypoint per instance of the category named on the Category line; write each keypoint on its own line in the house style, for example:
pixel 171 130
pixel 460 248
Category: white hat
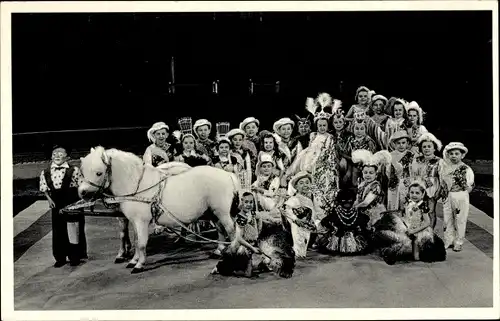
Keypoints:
pixel 249 120
pixel 454 145
pixel 414 106
pixel 202 122
pixel 156 126
pixel 222 139
pixel 398 135
pixel 428 137
pixel 298 177
pixel 379 97
pixel 263 158
pixel 234 132
pixel 282 122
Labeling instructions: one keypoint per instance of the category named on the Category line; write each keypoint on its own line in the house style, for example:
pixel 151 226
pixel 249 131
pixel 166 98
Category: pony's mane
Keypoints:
pixel 126 156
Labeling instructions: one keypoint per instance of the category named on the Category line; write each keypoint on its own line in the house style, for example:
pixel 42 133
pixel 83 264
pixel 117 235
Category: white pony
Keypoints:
pixel 184 194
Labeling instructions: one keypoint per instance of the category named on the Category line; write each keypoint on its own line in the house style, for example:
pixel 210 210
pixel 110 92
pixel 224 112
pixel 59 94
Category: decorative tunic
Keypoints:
pixel 228 163
pixel 155 155
pixel 427 169
pixel 193 159
pixel 376 206
pixel 364 142
pixel 399 179
pixel 415 132
pixel 207 147
pixel 456 178
pixel 301 213
pixel 57 175
pixel 270 184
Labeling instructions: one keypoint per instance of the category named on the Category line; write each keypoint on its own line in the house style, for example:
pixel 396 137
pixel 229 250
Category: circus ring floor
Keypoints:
pixel 179 278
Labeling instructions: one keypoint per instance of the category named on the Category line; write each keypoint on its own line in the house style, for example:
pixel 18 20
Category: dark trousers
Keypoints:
pixel 61 247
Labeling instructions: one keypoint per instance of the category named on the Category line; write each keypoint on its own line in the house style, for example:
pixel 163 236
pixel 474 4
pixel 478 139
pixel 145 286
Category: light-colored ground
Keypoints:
pixel 179 278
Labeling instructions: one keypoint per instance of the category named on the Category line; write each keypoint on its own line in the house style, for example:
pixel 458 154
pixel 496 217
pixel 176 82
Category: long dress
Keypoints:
pixel 346 231
pixel 427 169
pixel 300 207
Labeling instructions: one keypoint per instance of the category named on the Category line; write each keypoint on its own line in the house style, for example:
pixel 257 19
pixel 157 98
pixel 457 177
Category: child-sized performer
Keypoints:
pixel 370 197
pixel 202 129
pixel 237 138
pixel 458 180
pixel 60 183
pixel 284 128
pixel 377 108
pixel 363 97
pixel 303 131
pixel 267 184
pixel 426 167
pixel 399 178
pixel 359 141
pixel 271 145
pixel 411 234
pixel 398 121
pixel 415 127
pixel 189 154
pixel 225 160
pixel 163 147
pixel 301 212
pixel 250 126
pixel 346 226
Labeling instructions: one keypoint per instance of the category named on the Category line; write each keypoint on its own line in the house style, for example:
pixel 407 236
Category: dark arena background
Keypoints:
pixel 121 72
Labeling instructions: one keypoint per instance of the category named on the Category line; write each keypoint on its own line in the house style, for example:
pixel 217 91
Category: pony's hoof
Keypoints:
pixel 130 265
pixel 137 270
pixel 120 260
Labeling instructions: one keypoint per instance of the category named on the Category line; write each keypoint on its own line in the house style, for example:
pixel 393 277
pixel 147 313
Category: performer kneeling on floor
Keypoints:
pixel 60 183
pixel 346 226
pixel 269 236
pixel 410 235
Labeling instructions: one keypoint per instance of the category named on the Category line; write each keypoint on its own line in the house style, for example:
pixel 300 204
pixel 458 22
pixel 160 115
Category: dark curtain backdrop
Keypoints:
pixel 112 70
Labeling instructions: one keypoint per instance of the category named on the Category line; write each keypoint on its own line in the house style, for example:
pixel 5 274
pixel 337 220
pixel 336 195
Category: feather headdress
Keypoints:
pixel 414 106
pixel 310 105
pixel 323 107
pixel 428 137
pixel 379 159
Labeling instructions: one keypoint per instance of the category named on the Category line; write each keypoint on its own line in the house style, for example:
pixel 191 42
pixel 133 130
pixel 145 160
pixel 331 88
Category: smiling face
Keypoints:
pixel 378 106
pixel 322 125
pixel 359 130
pixel 303 186
pixel 203 132
pixel 455 155
pixel 248 203
pixel 224 149
pixel 251 129
pixel 59 156
pixel 188 143
pixel 413 117
pixel 363 97
pixel 416 193
pixel 268 144
pixel 160 137
pixel 266 168
pixel 427 148
pixel 237 141
pixel 285 131
pixel 369 173
pixel 399 111
pixel 401 144
pixel 304 128
pixel 338 123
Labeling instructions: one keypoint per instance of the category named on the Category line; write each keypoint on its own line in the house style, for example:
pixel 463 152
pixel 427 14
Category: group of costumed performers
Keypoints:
pixel 366 181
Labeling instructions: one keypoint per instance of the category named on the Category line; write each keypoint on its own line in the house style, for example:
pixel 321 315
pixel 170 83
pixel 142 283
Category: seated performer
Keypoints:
pixel 346 232
pixel 301 212
pixel 409 235
pixel 163 147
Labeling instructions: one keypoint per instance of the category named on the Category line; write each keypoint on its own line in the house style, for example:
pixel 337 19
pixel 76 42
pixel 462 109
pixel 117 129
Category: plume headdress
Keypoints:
pixel 323 107
pixel 378 160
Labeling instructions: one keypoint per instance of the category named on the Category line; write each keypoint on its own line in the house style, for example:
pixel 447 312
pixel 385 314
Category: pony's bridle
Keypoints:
pixel 105 182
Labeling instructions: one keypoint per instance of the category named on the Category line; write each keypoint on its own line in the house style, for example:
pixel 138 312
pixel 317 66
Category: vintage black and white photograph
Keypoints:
pixel 200 157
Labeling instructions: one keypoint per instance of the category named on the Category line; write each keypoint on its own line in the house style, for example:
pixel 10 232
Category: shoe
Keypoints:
pixel 58 264
pixel 457 248
pixel 75 263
